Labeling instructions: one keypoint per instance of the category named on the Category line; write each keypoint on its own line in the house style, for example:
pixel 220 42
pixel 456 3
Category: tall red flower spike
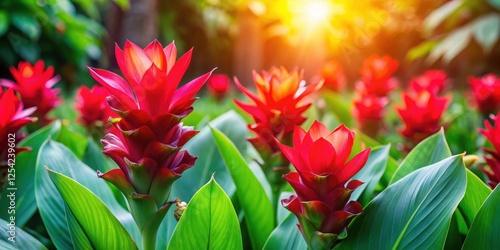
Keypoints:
pixel 368 111
pixel 322 182
pixel 376 75
pixel 13 116
pixel 35 83
pixel 421 114
pixel 92 106
pixel 432 80
pixel 219 86
pixel 492 133
pixel 333 75
pixel 486 92
pixel 148 136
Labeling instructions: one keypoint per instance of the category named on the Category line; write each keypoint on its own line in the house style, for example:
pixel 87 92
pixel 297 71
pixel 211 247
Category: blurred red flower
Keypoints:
pixel 333 76
pixel 486 92
pixel 421 114
pixel 492 133
pixel 148 136
pixel 92 106
pixel 432 80
pixel 219 86
pixel 277 107
pixel 322 203
pixel 376 75
pixel 34 83
pixel 368 111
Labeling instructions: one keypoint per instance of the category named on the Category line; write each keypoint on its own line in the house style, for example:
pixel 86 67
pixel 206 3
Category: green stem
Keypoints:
pixel 149 240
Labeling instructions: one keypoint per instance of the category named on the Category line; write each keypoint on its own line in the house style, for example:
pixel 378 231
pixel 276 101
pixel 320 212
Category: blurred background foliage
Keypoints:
pixel 237 36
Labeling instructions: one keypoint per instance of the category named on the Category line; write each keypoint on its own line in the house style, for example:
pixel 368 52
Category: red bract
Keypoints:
pixel 322 183
pixel 333 76
pixel 368 111
pixel 34 83
pixel 219 86
pixel 432 81
pixel 376 75
pixel 91 103
pixel 13 116
pixel 486 92
pixel 148 136
pixel 421 114
pixel 492 133
pixel 277 107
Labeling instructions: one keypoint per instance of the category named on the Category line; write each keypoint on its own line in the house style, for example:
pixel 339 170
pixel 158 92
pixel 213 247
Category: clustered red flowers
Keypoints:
pixel 372 92
pixel 219 86
pixel 13 117
pixel 148 136
pixel 333 76
pixel 277 107
pixel 34 83
pixel 423 108
pixel 92 106
pixel 486 92
pixel 322 182
pixel 492 133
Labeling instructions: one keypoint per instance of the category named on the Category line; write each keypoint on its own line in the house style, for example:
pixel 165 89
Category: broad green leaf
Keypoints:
pixel 413 213
pixel 26 23
pixel 22 240
pixel 50 204
pixel 435 18
pixel 487 31
pixel 485 230
pixel 95 159
pixel 421 50
pixel 286 236
pixel 257 207
pixel 4 22
pixel 209 222
pixel 340 107
pixel 25 175
pixel 76 142
pixel 370 174
pixel 429 151
pixel 124 4
pixel 282 212
pixel 475 195
pixel 209 161
pixel 93 218
pixel 450 46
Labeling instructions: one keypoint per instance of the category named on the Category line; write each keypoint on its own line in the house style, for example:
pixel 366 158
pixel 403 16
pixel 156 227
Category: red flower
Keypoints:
pixel 432 81
pixel 486 91
pixel 376 75
pixel 492 133
pixel 421 114
pixel 34 83
pixel 218 86
pixel 322 182
pixel 368 111
pixel 277 107
pixel 13 116
pixel 333 76
pixel 91 103
pixel 148 136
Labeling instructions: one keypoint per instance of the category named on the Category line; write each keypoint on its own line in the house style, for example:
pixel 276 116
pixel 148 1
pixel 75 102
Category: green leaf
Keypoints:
pixel 282 212
pixel 4 22
pixel 487 31
pixel 25 177
pixel 413 213
pixel 370 174
pixel 50 204
pixel 429 151
pixel 421 50
pixel 257 207
pixel 209 161
pixel 209 222
pixel 475 194
pixel 452 44
pixel 286 236
pixel 22 240
pixel 435 18
pixel 485 230
pixel 494 3
pixel 339 106
pixel 98 226
pixel 26 23
pixel 124 4
pixel 76 142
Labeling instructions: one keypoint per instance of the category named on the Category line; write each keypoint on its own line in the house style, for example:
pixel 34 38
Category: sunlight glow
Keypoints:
pixel 316 12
